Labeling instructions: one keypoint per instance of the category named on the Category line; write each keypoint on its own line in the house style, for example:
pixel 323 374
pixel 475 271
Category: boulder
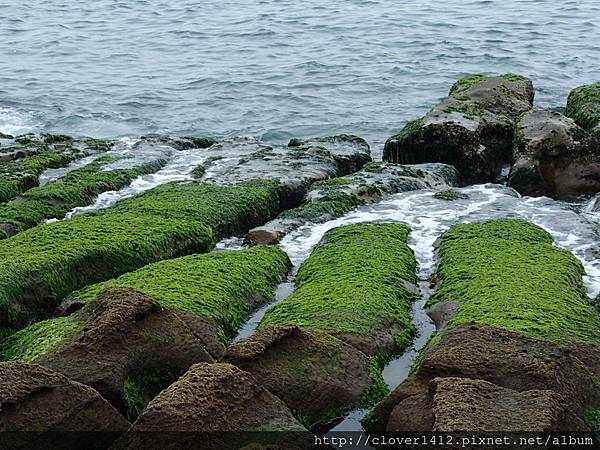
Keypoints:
pixel 351 152
pixel 554 157
pixel 127 339
pixel 583 105
pixel 482 378
pixel 312 372
pixel 44 409
pixel 221 402
pixel 471 129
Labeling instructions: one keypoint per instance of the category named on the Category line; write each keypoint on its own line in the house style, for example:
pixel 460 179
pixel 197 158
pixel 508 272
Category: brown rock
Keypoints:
pixel 471 129
pixel 127 335
pixel 218 400
pixel 312 372
pixel 34 398
pixel 554 157
pixel 519 367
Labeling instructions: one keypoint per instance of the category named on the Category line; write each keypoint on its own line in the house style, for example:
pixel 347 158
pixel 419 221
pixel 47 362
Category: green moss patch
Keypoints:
pixel 377 390
pixel 78 188
pixel 333 204
pixel 40 338
pixel 20 175
pixel 450 195
pixel 465 83
pixel 40 266
pixel 583 105
pixel 353 282
pixel 223 286
pixel 139 391
pixel 507 273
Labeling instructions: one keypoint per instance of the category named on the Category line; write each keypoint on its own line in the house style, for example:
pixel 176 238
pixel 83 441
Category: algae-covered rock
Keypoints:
pixel 333 198
pixel 224 287
pixel 472 128
pixel 225 405
pixel 315 374
pixel 356 287
pixel 583 105
pixel 24 158
pixel 40 266
pixel 554 157
pixel 40 408
pixel 351 152
pixel 136 334
pixel 523 334
pixel 78 188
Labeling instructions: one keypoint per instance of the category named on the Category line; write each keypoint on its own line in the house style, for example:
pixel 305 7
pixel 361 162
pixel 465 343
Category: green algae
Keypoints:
pixel 331 205
pixel 353 282
pixel 377 390
pixel 407 133
pixel 583 106
pixel 592 418
pixel 465 83
pixel 78 188
pixel 223 286
pixel 40 338
pixel 40 266
pixel 450 195
pixel 140 390
pixel 20 175
pixel 507 273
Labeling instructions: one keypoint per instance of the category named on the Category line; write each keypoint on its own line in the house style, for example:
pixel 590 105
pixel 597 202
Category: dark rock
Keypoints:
pixel 127 335
pixel 45 409
pixel 350 152
pixel 219 399
pixel 472 128
pixel 313 373
pixel 333 198
pixel 554 157
pixel 503 368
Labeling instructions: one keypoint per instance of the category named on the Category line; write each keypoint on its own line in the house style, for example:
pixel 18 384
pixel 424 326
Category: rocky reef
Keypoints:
pixel 187 292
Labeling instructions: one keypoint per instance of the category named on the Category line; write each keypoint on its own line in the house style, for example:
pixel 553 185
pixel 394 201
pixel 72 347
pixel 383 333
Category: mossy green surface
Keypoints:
pixel 592 419
pixel 139 391
pixel 507 273
pixel 20 175
pixel 40 266
pixel 583 105
pixel 40 338
pixel 377 389
pixel 465 83
pixel 223 286
pixel 333 204
pixel 408 133
pixel 450 195
pixel 78 188
pixel 353 282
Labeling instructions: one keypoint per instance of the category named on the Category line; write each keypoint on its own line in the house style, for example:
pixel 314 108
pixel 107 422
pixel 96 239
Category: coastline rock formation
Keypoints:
pixel 525 337
pixel 40 408
pixel 471 129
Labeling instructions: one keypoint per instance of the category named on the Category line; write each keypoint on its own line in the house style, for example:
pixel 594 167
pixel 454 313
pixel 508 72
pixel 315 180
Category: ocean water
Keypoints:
pixel 274 68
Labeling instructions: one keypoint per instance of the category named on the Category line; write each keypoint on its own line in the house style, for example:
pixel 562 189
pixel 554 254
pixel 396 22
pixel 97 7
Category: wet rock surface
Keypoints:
pixel 126 336
pixel 58 410
pixel 554 157
pixel 218 398
pixel 536 384
pixel 471 129
pixel 333 198
pixel 312 372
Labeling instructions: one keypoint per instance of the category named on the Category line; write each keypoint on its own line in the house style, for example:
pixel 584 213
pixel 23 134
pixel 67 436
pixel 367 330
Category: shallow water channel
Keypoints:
pixel 573 226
